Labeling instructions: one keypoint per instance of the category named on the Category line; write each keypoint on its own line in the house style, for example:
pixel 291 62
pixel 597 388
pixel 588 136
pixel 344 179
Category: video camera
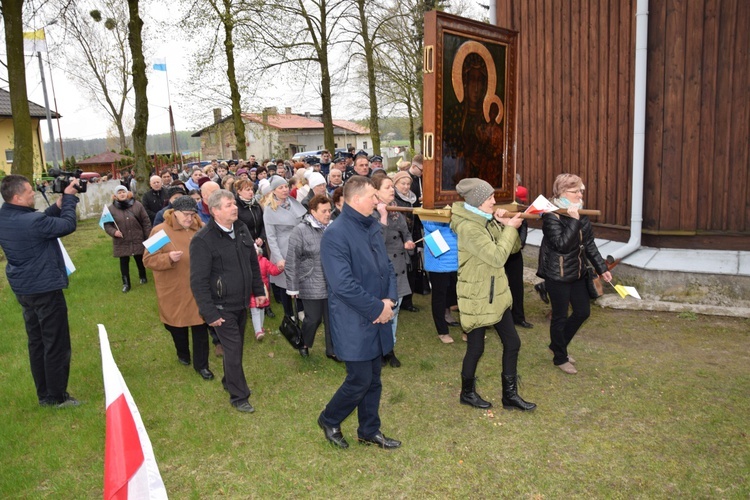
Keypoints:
pixel 62 180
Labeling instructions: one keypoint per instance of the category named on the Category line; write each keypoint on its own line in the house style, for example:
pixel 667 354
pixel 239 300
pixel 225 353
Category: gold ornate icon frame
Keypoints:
pixel 470 94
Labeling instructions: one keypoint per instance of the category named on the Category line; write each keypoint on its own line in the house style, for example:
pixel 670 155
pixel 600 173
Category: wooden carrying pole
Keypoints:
pixel 444 214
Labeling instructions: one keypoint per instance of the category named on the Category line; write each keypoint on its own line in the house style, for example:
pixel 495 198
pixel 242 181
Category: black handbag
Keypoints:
pixel 291 329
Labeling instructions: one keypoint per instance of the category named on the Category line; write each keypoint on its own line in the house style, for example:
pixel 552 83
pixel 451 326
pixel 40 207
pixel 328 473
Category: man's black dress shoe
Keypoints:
pixel 333 357
pixel 270 313
pixel 183 361
pixel 206 374
pixel 525 324
pixel 304 352
pixel 379 439
pixel 411 309
pixel 453 323
pixel 244 407
pixel 333 434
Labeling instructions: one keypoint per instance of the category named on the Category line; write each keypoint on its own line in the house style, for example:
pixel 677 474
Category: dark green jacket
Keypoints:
pixel 483 248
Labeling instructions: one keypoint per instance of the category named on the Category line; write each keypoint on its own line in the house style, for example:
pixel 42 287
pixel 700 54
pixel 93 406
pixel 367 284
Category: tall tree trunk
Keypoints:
pixel 23 143
pixel 410 112
pixel 325 95
pixel 121 133
pixel 239 125
pixel 369 59
pixel 140 84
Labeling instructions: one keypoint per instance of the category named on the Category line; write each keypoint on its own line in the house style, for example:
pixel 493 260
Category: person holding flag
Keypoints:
pixel 568 241
pixel 129 227
pixel 36 274
pixel 486 237
pixel 170 263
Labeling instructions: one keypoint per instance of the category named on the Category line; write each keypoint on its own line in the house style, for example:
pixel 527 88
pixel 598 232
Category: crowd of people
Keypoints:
pixel 326 239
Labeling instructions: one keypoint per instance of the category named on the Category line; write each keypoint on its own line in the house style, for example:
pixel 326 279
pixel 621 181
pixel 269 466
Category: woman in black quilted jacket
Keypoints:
pixel 568 241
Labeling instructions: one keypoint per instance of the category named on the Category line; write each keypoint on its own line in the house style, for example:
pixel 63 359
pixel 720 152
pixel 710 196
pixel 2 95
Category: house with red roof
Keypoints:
pixel 277 135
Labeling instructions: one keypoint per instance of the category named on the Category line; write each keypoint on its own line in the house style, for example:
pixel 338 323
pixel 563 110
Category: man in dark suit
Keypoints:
pixel 361 297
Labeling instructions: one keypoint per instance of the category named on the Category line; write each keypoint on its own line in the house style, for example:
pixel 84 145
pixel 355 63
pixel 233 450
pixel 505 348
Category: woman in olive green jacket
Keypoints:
pixel 485 240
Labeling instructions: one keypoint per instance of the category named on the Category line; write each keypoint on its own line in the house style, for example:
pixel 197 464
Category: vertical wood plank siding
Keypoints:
pixel 575 95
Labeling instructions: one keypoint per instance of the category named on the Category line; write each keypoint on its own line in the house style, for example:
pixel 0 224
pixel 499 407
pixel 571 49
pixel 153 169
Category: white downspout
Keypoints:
pixel 639 133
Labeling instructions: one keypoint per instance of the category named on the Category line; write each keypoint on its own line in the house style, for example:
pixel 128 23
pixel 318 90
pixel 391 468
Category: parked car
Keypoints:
pixel 304 154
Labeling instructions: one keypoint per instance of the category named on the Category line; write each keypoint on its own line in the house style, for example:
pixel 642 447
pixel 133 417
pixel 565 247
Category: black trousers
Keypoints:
pixel 316 311
pixel 443 296
pixel 200 343
pixel 514 272
pixel 232 336
pixel 563 328
pixel 475 347
pixel 46 319
pixel 125 266
pixel 361 390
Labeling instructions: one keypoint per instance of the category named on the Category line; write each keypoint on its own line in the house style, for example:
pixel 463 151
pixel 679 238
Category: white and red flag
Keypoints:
pixel 130 469
pixel 541 206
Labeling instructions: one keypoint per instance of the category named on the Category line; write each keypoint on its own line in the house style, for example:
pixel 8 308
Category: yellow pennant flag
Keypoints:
pixel 34 41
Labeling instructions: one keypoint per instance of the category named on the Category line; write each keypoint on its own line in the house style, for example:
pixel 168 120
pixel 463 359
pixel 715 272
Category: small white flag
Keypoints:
pixel 541 206
pixel 436 243
pixel 160 64
pixel 34 41
pixel 156 241
pixel 69 267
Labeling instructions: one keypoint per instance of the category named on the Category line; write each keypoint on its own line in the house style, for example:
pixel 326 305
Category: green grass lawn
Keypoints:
pixel 659 408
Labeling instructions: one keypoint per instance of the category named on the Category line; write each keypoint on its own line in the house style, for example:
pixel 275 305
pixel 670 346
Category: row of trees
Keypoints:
pixel 374 46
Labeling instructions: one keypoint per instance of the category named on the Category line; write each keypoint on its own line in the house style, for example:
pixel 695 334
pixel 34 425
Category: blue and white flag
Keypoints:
pixel 160 64
pixel 106 217
pixel 157 241
pixel 69 267
pixel 436 243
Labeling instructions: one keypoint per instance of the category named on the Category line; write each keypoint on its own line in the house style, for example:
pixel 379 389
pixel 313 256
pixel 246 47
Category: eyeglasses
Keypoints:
pixel 187 214
pixel 575 191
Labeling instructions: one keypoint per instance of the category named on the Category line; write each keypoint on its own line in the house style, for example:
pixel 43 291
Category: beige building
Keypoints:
pixel 38 113
pixel 272 135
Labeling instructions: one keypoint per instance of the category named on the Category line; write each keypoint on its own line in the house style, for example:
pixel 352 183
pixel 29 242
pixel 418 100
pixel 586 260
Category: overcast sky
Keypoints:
pixel 85 119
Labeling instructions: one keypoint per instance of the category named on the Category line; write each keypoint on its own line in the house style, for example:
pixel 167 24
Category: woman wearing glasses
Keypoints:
pixel 171 266
pixel 568 241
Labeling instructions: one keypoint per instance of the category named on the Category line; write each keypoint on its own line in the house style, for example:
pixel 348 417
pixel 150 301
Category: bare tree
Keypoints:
pixel 308 35
pixel 140 84
pixel 23 146
pixel 100 57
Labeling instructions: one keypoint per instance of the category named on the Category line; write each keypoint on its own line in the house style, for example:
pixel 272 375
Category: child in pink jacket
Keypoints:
pixel 258 313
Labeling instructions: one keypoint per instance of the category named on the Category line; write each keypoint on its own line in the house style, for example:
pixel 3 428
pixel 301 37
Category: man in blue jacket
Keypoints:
pixel 36 274
pixel 361 297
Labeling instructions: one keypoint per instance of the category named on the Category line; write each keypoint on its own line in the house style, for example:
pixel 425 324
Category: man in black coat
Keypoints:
pixel 224 273
pixel 155 198
pixel 37 275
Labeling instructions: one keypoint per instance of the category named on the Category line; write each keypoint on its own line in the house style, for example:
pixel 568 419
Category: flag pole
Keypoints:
pixel 172 131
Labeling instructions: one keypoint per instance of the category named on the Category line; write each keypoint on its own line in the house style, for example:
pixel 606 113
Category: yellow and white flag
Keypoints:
pixel 624 291
pixel 34 41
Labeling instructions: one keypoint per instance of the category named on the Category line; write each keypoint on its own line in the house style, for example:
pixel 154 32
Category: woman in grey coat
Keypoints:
pixel 281 214
pixel 304 272
pixel 398 241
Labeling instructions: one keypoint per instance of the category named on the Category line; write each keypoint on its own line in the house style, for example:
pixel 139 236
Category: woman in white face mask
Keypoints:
pixel 568 241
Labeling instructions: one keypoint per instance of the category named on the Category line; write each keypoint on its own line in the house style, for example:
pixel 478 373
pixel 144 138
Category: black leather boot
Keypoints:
pixel 125 284
pixel 469 394
pixel 511 399
pixel 142 275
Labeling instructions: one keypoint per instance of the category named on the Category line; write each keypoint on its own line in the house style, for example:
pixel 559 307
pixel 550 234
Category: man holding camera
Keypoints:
pixel 37 275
